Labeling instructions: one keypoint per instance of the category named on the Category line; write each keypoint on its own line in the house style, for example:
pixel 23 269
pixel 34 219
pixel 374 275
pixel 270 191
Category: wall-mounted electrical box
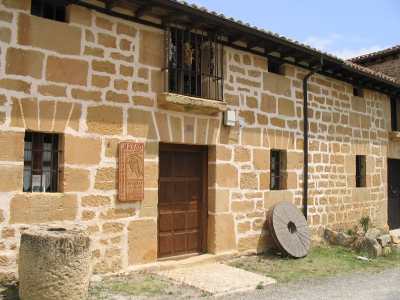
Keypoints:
pixel 230 118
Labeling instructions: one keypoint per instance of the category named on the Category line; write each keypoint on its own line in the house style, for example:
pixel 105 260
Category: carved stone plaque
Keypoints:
pixel 131 172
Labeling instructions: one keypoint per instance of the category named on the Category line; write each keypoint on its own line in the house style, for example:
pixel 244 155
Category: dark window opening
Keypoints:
pixel 278 169
pixel 41 162
pixel 395 113
pixel 357 91
pixel 195 64
pixel 275 67
pixel 49 9
pixel 361 171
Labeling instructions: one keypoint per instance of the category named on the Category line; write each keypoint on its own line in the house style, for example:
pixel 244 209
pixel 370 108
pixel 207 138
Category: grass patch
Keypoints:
pixel 140 285
pixel 322 261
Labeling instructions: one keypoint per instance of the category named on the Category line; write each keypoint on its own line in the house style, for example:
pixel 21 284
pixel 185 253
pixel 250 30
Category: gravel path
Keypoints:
pixel 357 286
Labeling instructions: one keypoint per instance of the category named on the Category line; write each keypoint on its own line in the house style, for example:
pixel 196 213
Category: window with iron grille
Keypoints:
pixel 194 63
pixel 361 171
pixel 41 162
pixel 278 169
pixel 49 9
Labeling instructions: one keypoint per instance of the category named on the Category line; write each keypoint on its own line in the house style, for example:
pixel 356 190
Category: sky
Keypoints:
pixel 345 28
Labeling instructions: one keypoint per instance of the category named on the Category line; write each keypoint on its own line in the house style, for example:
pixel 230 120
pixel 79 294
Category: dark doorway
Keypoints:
pixel 394 193
pixel 182 200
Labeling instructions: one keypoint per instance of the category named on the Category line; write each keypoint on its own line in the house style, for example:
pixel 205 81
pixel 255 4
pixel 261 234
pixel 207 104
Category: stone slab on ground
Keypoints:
pixel 218 279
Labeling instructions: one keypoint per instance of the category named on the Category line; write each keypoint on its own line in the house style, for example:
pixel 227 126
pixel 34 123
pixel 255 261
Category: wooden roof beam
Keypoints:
pixel 110 4
pixel 144 9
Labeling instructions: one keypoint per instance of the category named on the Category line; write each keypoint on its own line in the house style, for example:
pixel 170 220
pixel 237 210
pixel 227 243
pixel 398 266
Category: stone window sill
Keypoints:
pixel 190 104
pixel 394 136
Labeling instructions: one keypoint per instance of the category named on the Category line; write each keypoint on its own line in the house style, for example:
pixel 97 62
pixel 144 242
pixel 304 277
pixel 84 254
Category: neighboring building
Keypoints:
pixel 76 80
pixel 386 61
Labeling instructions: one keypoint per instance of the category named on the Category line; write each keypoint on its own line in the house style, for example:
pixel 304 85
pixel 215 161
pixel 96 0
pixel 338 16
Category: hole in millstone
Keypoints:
pixel 57 229
pixel 292 227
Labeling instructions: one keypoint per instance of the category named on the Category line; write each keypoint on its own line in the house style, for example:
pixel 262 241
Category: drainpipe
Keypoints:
pixel 305 130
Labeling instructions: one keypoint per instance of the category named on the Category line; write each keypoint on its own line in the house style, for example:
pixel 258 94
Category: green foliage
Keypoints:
pixel 365 223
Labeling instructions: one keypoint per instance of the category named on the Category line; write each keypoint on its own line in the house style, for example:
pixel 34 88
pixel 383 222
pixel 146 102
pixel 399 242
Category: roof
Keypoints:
pixel 376 55
pixel 249 38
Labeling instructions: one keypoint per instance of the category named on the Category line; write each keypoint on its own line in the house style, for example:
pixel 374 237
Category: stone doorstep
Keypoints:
pixel 217 279
pixel 173 263
pixel 395 232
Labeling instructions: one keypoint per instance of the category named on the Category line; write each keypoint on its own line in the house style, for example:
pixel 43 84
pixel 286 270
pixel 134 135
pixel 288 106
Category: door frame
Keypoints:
pixel 204 201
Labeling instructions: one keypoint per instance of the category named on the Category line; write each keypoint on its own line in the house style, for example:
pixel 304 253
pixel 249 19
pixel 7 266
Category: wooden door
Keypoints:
pixel 394 193
pixel 182 209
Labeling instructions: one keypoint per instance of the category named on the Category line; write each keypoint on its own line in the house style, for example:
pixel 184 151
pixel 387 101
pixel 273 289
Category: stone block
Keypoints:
pixel 87 95
pixel 226 175
pixel 46 115
pixel 12 146
pixel 81 150
pixel 95 201
pixel 5 35
pixel 106 179
pixel 242 206
pixel 257 243
pixel 15 85
pixel 251 136
pixel 18 4
pixel 30 208
pixel 151 43
pixel 11 178
pixel 242 154
pixel 66 70
pixel 221 233
pixel 117 97
pixel 76 180
pixel 276 84
pixel 107 40
pixel 142 241
pixel 141 124
pixel 248 181
pixel 103 66
pixel 24 62
pixel 52 90
pixel 105 120
pixel 286 107
pixel 47 34
pixel 261 160
pixel 176 129
pixel 80 15
pixel 273 197
pixel 125 29
pixel 218 200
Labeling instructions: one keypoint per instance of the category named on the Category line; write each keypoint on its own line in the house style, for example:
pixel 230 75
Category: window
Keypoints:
pixel 274 67
pixel 49 9
pixel 361 171
pixel 278 169
pixel 357 91
pixel 41 160
pixel 194 64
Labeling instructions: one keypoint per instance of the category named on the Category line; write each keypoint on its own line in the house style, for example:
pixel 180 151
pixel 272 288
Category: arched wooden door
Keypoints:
pixel 182 200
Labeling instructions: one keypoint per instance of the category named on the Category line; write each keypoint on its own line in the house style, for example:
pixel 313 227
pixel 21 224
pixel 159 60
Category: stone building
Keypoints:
pixel 386 61
pixel 213 111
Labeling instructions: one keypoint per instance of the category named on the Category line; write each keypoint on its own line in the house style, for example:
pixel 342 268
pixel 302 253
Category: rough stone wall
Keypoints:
pixel 96 79
pixel 390 67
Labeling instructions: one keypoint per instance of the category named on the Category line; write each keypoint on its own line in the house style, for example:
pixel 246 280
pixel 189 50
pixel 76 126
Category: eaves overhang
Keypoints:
pixel 243 36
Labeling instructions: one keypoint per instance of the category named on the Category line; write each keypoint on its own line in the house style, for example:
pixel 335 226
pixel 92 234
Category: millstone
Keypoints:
pixel 289 229
pixel 54 263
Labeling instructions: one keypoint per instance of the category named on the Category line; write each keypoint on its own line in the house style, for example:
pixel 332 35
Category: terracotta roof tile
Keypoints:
pixel 374 55
pixel 350 64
